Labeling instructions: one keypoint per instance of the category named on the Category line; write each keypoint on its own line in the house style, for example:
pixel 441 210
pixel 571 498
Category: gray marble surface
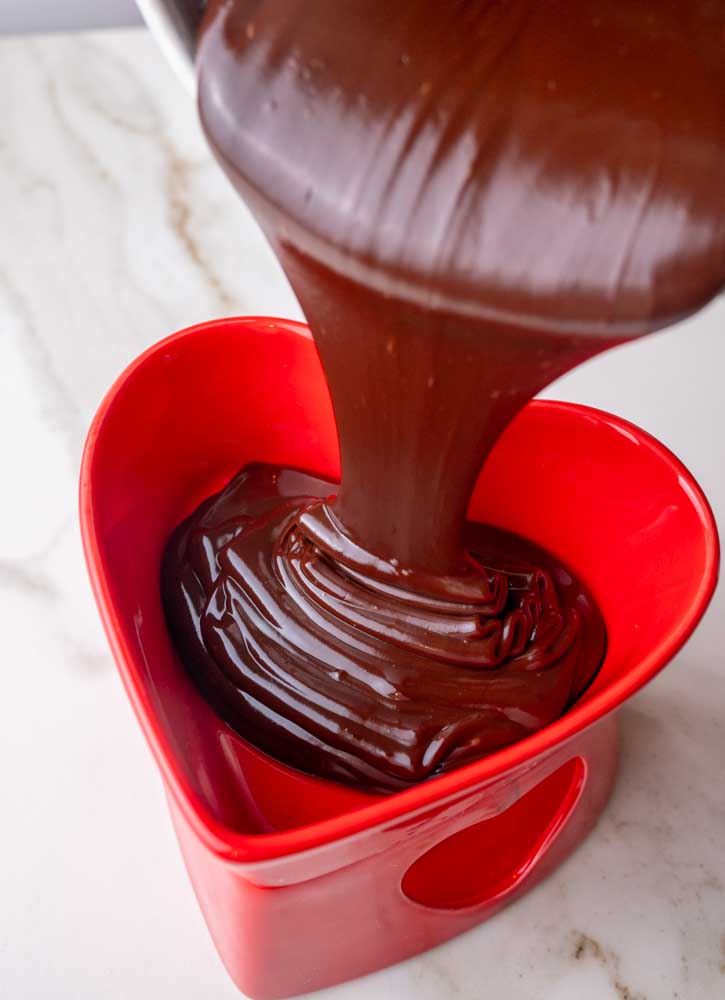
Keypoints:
pixel 117 228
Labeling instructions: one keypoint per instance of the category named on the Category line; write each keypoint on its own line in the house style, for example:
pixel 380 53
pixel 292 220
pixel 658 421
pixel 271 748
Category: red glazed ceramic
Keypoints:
pixel 305 883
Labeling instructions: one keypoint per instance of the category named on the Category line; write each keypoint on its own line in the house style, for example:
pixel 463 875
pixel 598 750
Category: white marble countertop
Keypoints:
pixel 117 228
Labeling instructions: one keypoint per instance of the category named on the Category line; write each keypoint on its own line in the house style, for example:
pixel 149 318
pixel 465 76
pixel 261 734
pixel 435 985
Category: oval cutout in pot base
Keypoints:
pixel 490 858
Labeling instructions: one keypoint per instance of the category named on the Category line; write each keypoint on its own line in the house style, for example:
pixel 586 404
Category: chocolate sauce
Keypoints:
pixel 469 199
pixel 349 676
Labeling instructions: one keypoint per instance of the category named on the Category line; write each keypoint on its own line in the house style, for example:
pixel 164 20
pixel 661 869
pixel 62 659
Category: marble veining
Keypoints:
pixel 118 229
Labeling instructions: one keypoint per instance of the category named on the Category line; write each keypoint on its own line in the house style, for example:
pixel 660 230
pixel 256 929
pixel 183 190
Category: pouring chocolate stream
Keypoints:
pixel 469 199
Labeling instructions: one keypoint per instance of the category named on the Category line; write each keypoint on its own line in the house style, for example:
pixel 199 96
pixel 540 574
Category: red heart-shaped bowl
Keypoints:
pixel 305 883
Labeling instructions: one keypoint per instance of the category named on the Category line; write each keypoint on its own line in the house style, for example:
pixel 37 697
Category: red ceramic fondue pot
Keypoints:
pixel 305 883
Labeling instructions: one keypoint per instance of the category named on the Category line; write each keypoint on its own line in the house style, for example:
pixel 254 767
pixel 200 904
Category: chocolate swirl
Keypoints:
pixel 481 620
pixel 346 667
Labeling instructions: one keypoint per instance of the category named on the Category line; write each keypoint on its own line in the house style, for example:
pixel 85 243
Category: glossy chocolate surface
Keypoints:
pixel 469 199
pixel 542 162
pixel 343 673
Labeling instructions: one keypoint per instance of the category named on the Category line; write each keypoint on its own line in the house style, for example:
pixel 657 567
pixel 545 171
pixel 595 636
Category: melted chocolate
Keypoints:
pixel 469 199
pixel 344 673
